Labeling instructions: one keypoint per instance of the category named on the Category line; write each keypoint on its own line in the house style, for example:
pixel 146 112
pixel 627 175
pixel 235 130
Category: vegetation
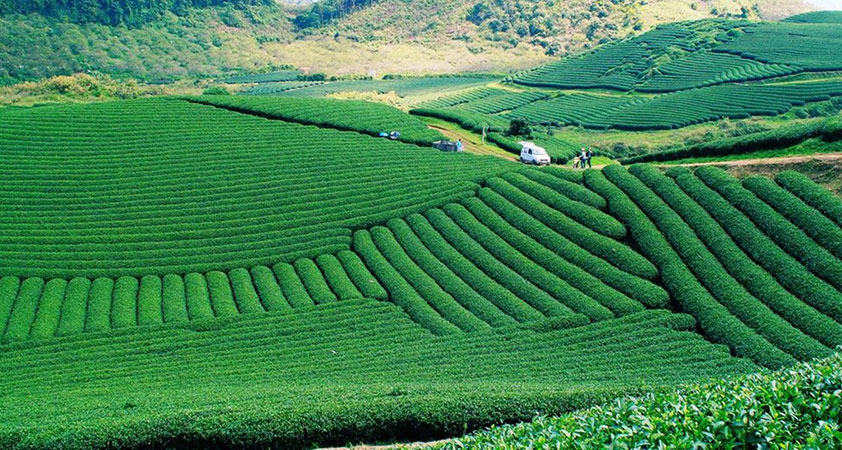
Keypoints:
pixel 724 414
pixel 223 210
pixel 362 117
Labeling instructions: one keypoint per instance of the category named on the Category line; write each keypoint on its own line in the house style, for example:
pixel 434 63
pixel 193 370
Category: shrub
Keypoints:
pixel 291 285
pixel 360 275
pixel 244 294
pixel 401 293
pixel 336 278
pixel 786 235
pixel 314 281
pixel 74 308
pixel 268 289
pixel 426 287
pixel 198 297
pixel 221 295
pixel 447 277
pixel 149 301
pixel 812 194
pixel 124 303
pixel 49 310
pixel 173 300
pixel 24 310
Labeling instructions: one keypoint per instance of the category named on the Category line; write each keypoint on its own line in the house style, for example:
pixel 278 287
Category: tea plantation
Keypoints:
pixel 264 271
pixel 675 76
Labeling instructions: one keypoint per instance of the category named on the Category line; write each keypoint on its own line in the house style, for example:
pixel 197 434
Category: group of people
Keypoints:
pixel 584 158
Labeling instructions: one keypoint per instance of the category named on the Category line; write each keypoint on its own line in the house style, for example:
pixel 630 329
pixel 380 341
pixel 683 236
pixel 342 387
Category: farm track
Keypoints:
pixel 777 161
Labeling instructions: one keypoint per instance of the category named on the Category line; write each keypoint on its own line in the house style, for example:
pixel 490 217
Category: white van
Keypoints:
pixel 532 154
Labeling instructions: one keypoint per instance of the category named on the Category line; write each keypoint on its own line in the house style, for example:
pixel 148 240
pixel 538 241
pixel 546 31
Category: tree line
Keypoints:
pixel 113 12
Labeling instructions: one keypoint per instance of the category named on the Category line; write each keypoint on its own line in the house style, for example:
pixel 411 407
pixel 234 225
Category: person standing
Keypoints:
pixel 583 158
pixel 590 156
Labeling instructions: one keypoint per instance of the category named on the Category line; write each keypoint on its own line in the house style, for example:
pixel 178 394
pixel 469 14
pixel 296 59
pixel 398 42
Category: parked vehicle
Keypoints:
pixel 532 154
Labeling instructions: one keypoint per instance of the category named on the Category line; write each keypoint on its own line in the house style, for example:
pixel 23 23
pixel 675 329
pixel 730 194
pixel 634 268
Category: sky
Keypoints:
pixel 826 4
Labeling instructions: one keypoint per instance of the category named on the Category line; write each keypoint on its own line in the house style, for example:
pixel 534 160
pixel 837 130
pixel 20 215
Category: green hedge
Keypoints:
pixel 785 234
pixel 448 278
pixel 426 287
pixel 714 319
pixel 173 300
pixel 75 305
pixel 710 270
pixel 49 309
pixel 467 270
pixel 631 285
pixel 565 292
pixel 606 248
pixel 508 278
pixel 337 278
pixel 198 297
pixel 400 292
pixel 754 277
pixel 812 222
pixel 812 194
pixel 244 294
pixel 124 303
pixel 268 289
pixel 361 276
pixel 221 296
pixel 586 215
pixel 787 271
pixel 556 180
pixel 291 285
pixel 98 315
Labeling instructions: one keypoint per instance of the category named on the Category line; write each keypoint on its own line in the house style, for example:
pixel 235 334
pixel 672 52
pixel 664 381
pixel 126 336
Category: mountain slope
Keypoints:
pixel 391 36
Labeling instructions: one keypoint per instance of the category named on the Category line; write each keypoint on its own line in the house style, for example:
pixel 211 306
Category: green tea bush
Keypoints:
pixel 811 193
pixel 606 248
pixel 569 189
pixel 244 294
pixel 448 278
pixel 337 278
pixel 314 281
pixel 426 287
pixel 198 297
pixel 582 279
pixel 173 300
pixel 812 222
pixel 468 271
pixel 717 321
pixel 221 295
pixel 291 285
pixel 757 280
pixel 564 291
pixel 98 315
pixel 789 237
pixel 124 303
pixel 74 307
pixel 268 289
pixel 49 310
pixel 522 287
pixel 360 275
pixel 149 301
pixel 400 291
pixel 25 308
pixel 725 414
pixel 762 249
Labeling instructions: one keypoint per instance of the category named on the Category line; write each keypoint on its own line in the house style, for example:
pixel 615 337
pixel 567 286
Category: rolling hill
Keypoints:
pixel 220 271
pixel 160 41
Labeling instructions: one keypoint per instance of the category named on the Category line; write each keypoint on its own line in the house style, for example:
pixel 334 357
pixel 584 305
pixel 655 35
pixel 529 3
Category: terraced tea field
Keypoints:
pixel 263 271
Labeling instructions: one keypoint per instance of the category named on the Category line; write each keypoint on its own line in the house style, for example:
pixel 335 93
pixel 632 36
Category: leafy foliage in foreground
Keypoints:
pixel 796 408
pixel 329 374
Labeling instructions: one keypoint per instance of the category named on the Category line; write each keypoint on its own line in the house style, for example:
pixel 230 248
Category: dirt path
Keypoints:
pixel 473 143
pixel 784 160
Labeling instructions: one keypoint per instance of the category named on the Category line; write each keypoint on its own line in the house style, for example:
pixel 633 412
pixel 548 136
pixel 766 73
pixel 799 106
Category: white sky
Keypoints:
pixel 826 4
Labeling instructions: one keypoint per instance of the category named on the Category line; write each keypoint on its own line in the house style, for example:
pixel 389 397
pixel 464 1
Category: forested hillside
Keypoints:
pixel 115 12
pixel 173 39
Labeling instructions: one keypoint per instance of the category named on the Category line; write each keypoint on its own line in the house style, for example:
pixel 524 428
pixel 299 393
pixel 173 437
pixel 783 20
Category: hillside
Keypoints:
pixel 237 271
pixel 391 36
